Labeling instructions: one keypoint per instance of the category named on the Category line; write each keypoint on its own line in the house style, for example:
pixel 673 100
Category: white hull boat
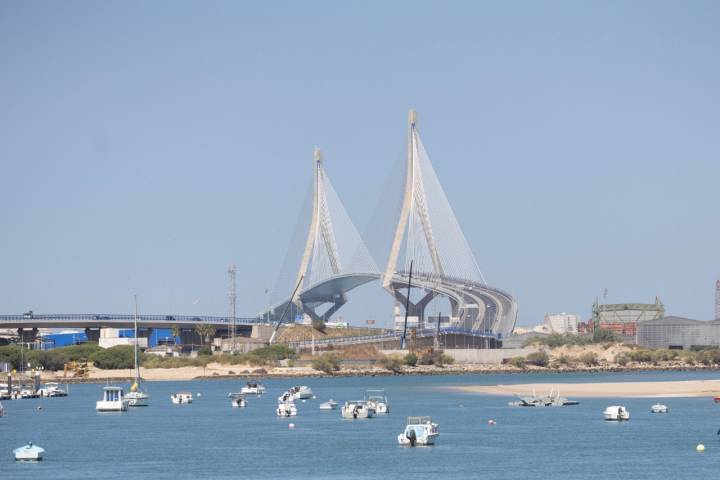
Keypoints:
pixel 286 409
pixel 113 400
pixel 301 392
pixel 181 398
pixel 52 389
pixel 419 431
pixel 357 409
pixel 28 453
pixel 659 408
pixel 616 413
pixel 377 400
pixel 138 399
pixel 237 400
pixel 253 388
pixel 329 405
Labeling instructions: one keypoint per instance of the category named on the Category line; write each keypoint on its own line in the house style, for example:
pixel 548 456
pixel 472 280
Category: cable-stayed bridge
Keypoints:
pixel 428 244
pixel 427 236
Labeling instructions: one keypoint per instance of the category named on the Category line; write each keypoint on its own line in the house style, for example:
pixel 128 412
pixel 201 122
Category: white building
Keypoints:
pixel 562 323
pixel 110 337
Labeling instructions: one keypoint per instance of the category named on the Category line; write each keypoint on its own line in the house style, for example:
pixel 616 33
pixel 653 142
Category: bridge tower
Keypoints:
pixel 414 207
pixel 320 256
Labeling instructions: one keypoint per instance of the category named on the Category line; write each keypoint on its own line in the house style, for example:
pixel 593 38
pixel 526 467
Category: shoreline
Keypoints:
pixel 667 389
pixel 223 372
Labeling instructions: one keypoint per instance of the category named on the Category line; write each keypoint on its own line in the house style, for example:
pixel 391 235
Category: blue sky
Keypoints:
pixel 145 146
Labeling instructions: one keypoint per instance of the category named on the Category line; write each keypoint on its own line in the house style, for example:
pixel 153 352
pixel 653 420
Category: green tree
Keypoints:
pixel 411 359
pixel 539 359
pixel 205 331
pixel 327 362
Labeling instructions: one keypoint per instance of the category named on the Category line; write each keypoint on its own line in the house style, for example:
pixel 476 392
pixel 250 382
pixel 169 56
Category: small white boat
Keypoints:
pixel 301 392
pixel 659 408
pixel 377 400
pixel 113 400
pixel 2 410
pixel 357 409
pixel 329 405
pixel 180 398
pixel 286 409
pixel 237 400
pixel 28 393
pixel 137 399
pixel 419 431
pixel 616 413
pixel 52 389
pixel 253 388
pixel 29 453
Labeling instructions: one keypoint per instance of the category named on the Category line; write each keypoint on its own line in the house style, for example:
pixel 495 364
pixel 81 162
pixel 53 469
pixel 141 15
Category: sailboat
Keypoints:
pixel 136 397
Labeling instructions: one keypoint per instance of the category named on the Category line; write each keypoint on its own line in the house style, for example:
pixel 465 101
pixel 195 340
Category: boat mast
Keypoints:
pixel 137 367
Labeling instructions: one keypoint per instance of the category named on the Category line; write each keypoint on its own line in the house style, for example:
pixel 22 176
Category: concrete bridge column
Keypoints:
pixel 93 334
pixel 27 336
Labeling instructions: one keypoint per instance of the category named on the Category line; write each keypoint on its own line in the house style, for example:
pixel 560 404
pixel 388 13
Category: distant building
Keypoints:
pixel 111 337
pixel 678 333
pixel 562 323
pixel 623 318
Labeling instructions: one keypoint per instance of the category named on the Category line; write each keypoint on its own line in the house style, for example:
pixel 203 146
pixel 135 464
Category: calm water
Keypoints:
pixel 210 439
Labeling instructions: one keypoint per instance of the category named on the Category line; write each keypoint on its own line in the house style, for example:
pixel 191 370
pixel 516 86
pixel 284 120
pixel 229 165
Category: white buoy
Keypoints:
pixel 199 394
pixel 292 425
pixel 700 447
pixel 492 422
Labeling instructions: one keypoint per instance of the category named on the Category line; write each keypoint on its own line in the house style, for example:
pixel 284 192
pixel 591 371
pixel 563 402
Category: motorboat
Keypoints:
pixel 52 389
pixel 659 408
pixel 419 431
pixel 28 393
pixel 553 399
pixel 329 405
pixel 377 400
pixel 357 409
pixel 286 408
pixel 2 410
pixel 237 400
pixel 29 453
pixel 113 400
pixel 301 392
pixel 180 398
pixel 253 388
pixel 136 397
pixel 616 413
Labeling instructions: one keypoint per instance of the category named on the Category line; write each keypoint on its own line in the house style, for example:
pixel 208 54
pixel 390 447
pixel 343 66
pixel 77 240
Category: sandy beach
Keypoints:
pixel 689 388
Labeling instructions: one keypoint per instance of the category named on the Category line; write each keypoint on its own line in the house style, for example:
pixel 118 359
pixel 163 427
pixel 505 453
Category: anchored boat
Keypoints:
pixel 113 400
pixel 237 400
pixel 377 400
pixel 419 431
pixel 659 408
pixel 136 397
pixel 329 405
pixel 29 453
pixel 253 388
pixel 180 398
pixel 357 409
pixel 301 392
pixel 616 413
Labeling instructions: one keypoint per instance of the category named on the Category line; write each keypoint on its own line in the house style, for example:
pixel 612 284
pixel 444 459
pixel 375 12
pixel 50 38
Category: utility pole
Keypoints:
pixel 717 300
pixel 232 299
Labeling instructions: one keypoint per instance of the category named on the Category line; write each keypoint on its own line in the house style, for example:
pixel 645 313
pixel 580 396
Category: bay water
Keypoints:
pixel 209 439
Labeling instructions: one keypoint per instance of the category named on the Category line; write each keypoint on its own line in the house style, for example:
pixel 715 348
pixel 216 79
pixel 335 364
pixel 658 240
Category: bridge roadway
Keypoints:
pixel 479 307
pixel 107 320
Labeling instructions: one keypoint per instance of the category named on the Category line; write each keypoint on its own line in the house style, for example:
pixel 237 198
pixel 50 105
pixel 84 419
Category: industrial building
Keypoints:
pixel 562 323
pixel 678 333
pixel 623 318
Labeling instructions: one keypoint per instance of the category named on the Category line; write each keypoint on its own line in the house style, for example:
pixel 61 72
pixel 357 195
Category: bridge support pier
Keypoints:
pixel 27 335
pixel 92 334
pixel 308 309
pixel 416 309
